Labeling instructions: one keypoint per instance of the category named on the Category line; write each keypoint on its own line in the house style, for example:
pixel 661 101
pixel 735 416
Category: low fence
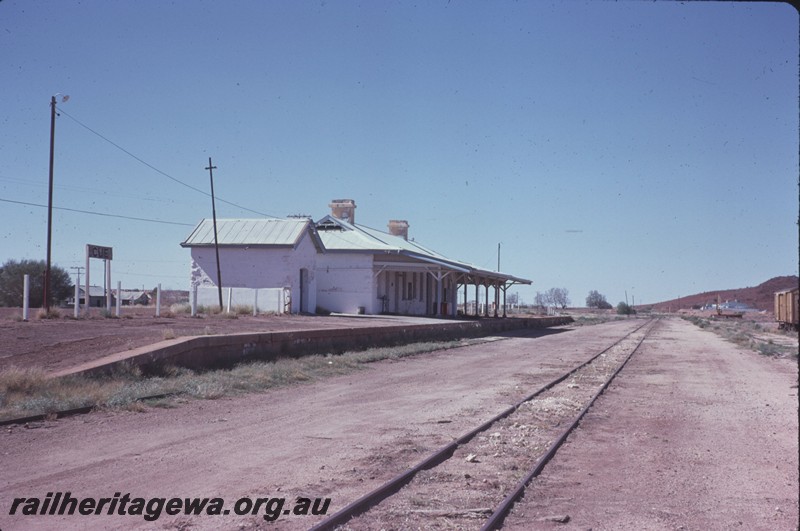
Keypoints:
pixel 264 300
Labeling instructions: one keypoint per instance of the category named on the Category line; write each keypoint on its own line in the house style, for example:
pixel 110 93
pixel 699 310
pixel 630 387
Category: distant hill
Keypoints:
pixel 761 296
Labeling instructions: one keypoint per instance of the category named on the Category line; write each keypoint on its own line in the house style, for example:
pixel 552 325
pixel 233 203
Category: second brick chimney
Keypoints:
pixel 399 227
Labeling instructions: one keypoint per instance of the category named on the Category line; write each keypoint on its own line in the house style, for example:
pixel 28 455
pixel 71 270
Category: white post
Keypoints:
pixel 108 283
pixel 230 296
pixel 87 300
pixel 158 300
pixel 119 296
pixel 77 309
pixel 255 302
pixel 26 291
pixel 194 300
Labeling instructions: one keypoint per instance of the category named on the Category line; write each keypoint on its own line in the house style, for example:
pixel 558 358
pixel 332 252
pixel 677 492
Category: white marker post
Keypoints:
pixel 26 291
pixel 77 306
pixel 108 291
pixel 158 300
pixel 119 296
pixel 87 299
pixel 194 300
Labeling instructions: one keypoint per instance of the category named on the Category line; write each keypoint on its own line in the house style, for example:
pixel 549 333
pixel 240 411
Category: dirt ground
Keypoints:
pixel 693 434
pixel 57 344
pixel 703 448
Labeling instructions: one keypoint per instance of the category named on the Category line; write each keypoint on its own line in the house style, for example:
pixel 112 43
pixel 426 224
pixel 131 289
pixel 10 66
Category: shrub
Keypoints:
pixel 597 300
pixel 623 308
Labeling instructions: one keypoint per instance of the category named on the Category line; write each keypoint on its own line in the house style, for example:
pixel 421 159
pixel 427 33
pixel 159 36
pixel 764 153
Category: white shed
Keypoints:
pixel 258 254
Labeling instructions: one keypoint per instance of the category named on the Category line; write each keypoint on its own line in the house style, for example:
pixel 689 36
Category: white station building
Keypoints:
pixel 335 265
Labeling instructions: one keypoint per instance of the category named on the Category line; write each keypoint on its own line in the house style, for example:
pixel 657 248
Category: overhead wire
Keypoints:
pixel 96 191
pixel 160 172
pixel 99 213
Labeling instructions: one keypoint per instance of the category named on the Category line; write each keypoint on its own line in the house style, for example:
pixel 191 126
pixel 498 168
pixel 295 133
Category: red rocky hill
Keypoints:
pixel 761 296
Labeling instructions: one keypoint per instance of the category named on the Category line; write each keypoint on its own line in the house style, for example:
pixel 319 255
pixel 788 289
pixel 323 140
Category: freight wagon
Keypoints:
pixel 786 306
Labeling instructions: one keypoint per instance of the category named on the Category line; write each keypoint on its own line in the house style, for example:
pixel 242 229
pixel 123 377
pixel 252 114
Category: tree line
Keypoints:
pixel 598 300
pixel 554 297
pixel 12 274
pixel 559 298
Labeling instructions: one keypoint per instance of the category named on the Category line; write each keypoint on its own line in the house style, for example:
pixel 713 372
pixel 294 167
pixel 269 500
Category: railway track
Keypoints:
pixel 474 481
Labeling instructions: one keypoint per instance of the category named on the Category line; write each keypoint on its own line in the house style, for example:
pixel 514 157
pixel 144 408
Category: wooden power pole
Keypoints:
pixel 211 169
pixel 47 293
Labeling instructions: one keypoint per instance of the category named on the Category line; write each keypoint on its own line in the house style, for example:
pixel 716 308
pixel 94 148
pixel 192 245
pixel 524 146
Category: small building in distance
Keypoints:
pixel 97 297
pixel 337 265
pixel 131 297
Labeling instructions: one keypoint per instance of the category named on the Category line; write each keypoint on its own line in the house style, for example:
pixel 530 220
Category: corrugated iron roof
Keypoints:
pixel 276 232
pixel 358 238
pixel 94 291
pixel 330 234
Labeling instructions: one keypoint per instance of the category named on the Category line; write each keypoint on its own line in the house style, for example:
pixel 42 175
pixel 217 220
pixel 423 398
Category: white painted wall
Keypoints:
pixel 260 267
pixel 345 282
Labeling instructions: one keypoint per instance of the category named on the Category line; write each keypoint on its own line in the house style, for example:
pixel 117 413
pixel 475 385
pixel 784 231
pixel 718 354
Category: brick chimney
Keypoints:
pixel 399 227
pixel 344 209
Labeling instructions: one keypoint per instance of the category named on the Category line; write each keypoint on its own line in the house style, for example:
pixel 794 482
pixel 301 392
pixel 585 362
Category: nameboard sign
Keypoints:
pixel 96 251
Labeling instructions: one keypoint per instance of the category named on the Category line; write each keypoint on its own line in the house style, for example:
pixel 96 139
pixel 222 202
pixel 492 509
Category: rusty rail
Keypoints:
pixel 373 498
pixel 502 510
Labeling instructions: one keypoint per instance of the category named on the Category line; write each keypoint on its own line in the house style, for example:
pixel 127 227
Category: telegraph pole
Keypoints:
pixel 78 269
pixel 50 200
pixel 211 169
pixel 50 205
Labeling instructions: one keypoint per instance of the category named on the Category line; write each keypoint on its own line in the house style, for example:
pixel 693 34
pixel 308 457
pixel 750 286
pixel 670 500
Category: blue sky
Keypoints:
pixel 647 147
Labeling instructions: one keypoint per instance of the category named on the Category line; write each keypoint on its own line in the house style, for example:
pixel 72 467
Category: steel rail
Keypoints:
pixel 61 413
pixel 374 497
pixel 502 510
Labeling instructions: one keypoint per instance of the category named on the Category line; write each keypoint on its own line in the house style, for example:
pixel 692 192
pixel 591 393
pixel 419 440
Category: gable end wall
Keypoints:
pixel 260 267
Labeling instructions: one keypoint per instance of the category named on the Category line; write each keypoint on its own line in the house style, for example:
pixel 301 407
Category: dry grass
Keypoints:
pixel 209 310
pixel 744 333
pixel 180 309
pixel 26 392
pixel 53 313
pixel 242 309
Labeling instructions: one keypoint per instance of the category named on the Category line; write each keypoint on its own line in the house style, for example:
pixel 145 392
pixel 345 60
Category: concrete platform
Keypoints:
pixel 212 351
